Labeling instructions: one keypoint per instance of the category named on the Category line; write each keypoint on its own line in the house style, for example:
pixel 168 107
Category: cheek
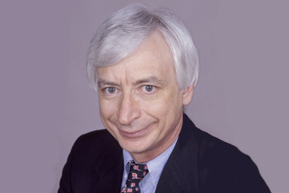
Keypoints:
pixel 107 108
pixel 164 106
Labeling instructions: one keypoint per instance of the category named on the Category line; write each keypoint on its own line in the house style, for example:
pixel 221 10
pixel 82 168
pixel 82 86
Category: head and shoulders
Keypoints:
pixel 144 66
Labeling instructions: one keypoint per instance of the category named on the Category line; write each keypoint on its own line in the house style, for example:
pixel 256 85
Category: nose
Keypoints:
pixel 128 110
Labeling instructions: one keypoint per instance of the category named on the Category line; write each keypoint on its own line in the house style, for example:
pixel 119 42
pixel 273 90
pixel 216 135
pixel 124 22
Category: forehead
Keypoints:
pixel 152 58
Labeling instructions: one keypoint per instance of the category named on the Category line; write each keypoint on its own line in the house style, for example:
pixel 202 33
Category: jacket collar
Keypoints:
pixel 108 172
pixel 180 173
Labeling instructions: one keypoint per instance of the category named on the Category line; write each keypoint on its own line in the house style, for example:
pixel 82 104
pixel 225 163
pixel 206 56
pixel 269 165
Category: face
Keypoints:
pixel 140 102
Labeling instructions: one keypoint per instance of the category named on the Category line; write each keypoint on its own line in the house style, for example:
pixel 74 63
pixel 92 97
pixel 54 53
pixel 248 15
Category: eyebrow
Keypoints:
pixel 151 79
pixel 101 82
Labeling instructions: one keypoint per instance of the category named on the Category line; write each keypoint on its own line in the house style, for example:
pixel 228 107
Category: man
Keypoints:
pixel 144 66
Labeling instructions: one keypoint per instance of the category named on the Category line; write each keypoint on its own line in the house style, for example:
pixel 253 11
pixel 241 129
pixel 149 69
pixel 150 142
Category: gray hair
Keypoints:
pixel 121 34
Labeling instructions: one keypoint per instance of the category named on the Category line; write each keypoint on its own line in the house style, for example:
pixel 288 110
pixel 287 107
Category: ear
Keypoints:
pixel 188 95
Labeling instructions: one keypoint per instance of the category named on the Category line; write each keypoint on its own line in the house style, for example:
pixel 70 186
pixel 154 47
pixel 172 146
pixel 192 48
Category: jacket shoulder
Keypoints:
pixel 84 166
pixel 207 144
pixel 94 137
pixel 95 144
pixel 223 166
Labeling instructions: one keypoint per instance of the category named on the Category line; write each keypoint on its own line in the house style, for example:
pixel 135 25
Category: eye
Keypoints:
pixel 110 90
pixel 148 88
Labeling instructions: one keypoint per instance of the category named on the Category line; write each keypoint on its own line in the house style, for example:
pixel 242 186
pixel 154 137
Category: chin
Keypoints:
pixel 133 145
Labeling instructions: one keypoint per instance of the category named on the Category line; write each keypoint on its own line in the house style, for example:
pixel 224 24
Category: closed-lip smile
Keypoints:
pixel 133 134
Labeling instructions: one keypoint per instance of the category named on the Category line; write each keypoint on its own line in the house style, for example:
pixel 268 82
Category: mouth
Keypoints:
pixel 133 134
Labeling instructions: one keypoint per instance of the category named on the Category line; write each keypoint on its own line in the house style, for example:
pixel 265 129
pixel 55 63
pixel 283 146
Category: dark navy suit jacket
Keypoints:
pixel 199 163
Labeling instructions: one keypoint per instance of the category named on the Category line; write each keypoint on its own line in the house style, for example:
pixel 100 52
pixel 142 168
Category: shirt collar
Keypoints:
pixel 154 164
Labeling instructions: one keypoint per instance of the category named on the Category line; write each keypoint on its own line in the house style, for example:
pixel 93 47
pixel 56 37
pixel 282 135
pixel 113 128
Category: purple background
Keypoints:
pixel 46 102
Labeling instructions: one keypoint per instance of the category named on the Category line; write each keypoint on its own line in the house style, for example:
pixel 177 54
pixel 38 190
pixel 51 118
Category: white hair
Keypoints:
pixel 122 33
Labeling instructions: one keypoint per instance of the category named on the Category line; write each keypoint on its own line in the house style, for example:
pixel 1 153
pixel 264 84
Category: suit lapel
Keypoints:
pixel 108 172
pixel 180 173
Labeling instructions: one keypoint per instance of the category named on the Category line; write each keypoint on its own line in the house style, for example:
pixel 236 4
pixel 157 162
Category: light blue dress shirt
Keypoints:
pixel 155 167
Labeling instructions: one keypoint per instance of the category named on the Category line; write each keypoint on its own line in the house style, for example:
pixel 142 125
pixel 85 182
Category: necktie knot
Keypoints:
pixel 136 173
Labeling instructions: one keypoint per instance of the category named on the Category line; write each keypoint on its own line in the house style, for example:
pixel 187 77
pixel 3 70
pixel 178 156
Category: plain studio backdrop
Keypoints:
pixel 46 102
